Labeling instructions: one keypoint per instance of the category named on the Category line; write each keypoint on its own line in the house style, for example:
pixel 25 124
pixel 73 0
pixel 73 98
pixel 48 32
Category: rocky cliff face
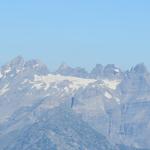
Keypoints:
pixel 72 109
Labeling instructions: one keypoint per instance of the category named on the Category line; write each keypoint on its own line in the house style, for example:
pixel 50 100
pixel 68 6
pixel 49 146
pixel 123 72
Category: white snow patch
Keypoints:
pixel 108 95
pixel 4 89
pixel 116 70
pixel 36 65
pixel 112 84
pixel 7 70
pixel 38 86
pixel 1 75
pixel 66 89
pixel 25 81
pixel 49 80
pixel 117 100
pixel 18 71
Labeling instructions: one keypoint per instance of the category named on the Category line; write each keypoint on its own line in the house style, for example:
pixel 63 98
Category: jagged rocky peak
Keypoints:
pixel 66 70
pixel 99 66
pixel 97 71
pixel 140 69
pixel 111 68
pixel 37 67
pixel 18 65
pixel 111 71
pixel 136 81
pixel 35 63
pixel 19 60
pixel 63 67
pixel 81 72
pixel 138 72
pixel 15 65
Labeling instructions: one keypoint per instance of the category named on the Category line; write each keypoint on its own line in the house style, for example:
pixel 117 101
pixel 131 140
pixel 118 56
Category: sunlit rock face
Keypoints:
pixel 72 109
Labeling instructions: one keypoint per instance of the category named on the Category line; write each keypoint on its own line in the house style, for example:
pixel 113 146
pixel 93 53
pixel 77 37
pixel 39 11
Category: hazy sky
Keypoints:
pixel 78 32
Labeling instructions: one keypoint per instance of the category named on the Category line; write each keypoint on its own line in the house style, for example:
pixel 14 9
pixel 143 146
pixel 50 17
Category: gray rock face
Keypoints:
pixel 66 70
pixel 140 69
pixel 55 129
pixel 111 71
pixel 106 109
pixel 98 72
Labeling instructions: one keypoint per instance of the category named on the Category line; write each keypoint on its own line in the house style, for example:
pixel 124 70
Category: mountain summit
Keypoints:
pixel 72 109
pixel 66 70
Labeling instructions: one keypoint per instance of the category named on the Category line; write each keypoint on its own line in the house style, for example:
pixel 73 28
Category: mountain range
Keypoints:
pixel 72 109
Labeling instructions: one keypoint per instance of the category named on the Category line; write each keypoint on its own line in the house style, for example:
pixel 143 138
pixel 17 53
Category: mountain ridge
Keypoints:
pixel 113 103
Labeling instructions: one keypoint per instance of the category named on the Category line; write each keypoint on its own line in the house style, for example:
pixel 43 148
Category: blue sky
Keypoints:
pixel 80 32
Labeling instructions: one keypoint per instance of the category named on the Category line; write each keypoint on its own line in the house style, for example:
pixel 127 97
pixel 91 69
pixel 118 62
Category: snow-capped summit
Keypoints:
pixel 13 67
pixel 19 67
pixel 71 109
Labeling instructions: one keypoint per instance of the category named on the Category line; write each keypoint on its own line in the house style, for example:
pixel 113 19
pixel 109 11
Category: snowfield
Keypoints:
pixel 71 109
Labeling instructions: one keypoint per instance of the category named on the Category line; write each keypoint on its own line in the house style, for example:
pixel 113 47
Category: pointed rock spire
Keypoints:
pixel 19 60
pixel 140 68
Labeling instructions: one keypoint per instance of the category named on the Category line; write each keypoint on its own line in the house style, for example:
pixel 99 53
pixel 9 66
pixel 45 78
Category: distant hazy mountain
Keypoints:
pixel 109 71
pixel 72 109
pixel 66 70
